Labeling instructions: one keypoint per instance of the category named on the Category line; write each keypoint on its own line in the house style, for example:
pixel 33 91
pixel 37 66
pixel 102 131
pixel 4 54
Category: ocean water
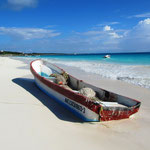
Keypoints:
pixel 131 68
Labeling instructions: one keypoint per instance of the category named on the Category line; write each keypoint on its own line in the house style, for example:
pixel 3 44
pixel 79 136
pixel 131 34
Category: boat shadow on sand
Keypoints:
pixel 52 105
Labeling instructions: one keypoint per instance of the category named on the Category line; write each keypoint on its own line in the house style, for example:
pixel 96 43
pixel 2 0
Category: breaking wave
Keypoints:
pixel 135 74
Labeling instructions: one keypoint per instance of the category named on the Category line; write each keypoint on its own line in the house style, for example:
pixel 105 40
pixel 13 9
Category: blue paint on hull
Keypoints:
pixel 66 106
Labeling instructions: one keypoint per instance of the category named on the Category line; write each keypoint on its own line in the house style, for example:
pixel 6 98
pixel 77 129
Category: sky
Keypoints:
pixel 75 26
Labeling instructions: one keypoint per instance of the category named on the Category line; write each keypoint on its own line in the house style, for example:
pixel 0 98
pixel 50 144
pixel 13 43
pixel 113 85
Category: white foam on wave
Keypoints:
pixel 136 74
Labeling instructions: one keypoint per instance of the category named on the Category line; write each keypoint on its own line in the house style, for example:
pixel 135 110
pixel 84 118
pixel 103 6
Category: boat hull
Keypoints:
pixel 82 106
pixel 78 109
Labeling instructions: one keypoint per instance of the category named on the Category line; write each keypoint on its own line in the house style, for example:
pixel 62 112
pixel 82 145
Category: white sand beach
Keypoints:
pixel 29 119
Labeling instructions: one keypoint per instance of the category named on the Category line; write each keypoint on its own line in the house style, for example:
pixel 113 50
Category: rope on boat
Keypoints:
pixel 102 112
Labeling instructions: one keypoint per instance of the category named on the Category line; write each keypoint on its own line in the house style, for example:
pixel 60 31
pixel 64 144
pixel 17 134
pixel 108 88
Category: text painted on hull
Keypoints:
pixel 75 105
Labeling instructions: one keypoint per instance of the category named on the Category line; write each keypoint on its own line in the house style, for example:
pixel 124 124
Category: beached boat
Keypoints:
pixel 103 106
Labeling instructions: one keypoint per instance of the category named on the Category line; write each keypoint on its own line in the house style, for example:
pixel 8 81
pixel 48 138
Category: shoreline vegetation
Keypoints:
pixel 10 53
pixel 14 53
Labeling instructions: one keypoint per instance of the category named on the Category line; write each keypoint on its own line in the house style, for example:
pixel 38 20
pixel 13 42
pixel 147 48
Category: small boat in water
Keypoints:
pixel 107 56
pixel 87 101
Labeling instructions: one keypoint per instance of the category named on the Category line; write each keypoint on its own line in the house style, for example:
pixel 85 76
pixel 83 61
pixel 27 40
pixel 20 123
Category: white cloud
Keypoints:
pixel 144 15
pixel 115 35
pixel 135 39
pixel 20 4
pixel 106 23
pixel 105 32
pixel 104 38
pixel 138 38
pixel 107 28
pixel 28 33
pixel 146 21
pixel 141 30
pixel 113 23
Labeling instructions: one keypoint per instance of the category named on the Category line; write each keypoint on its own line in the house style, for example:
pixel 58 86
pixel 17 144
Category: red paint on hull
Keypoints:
pixel 108 115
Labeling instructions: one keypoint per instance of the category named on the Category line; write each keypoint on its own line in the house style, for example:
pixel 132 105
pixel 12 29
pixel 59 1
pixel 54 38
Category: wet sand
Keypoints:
pixel 31 120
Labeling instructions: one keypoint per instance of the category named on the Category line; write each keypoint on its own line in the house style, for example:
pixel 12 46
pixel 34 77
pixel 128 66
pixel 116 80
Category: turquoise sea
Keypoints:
pixel 132 67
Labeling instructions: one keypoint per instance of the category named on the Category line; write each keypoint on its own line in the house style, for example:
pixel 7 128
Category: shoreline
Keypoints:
pixel 128 73
pixel 76 71
pixel 30 119
pixel 16 53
